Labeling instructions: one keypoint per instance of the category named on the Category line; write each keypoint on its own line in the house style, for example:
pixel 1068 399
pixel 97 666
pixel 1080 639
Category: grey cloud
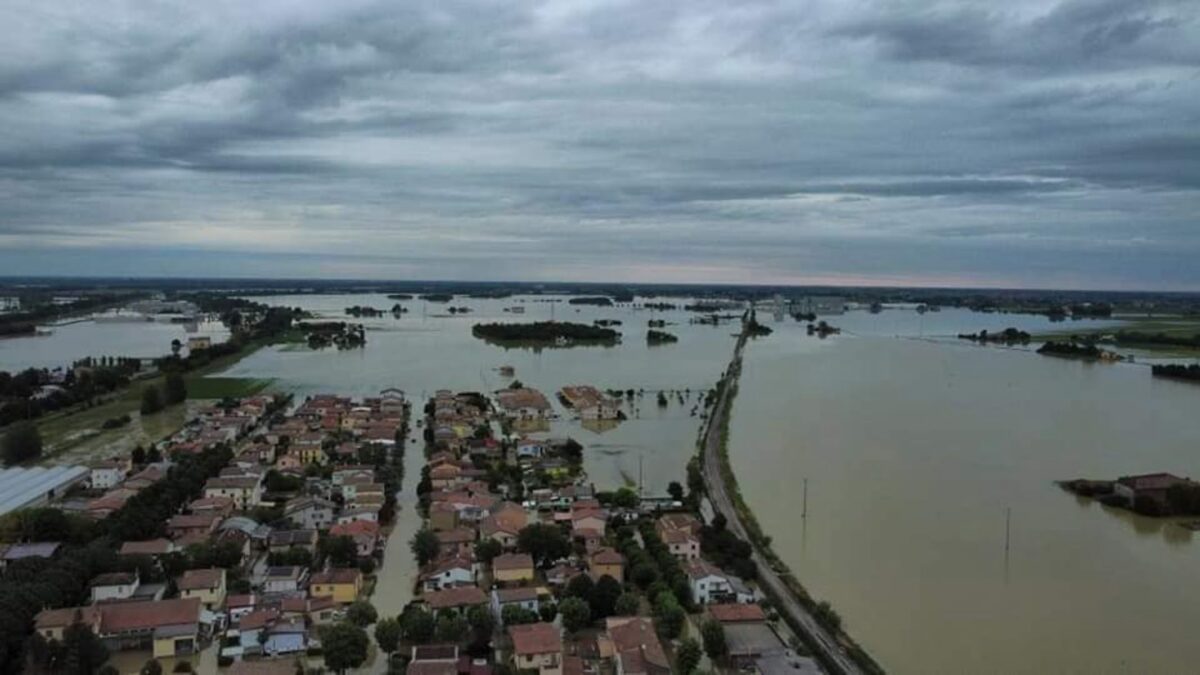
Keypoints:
pixel 758 136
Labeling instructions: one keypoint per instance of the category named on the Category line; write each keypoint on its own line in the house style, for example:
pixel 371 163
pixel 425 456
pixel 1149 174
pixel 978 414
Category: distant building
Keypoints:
pixel 820 305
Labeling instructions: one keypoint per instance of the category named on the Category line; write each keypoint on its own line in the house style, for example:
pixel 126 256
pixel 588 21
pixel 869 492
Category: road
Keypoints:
pixel 831 653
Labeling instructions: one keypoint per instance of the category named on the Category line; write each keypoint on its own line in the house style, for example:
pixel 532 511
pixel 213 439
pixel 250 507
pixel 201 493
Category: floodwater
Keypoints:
pixel 915 449
pixel 914 446
pixel 428 349
pixel 73 341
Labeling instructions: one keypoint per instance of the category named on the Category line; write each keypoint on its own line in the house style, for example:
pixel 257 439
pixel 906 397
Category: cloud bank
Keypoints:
pixel 961 143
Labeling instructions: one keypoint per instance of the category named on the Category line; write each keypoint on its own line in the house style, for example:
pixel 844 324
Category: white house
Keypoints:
pixel 708 582
pixel 288 579
pixel 525 597
pixel 245 491
pixel 360 513
pixel 310 513
pixel 114 586
pixel 528 448
pixel 448 574
pixel 107 475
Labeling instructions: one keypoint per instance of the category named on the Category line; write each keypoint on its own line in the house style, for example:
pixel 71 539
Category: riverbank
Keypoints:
pixel 815 622
pixel 79 433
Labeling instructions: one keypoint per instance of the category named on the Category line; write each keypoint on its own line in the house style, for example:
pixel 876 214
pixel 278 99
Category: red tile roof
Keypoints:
pixel 456 597
pixel 737 613
pixel 535 638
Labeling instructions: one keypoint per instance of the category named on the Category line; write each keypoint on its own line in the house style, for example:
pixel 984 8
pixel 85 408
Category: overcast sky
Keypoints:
pixel 1015 143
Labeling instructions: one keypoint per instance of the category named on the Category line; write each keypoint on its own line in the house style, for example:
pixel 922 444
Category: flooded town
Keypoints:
pixel 430 501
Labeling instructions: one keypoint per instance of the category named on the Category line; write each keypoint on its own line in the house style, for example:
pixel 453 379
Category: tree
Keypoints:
pixel 176 346
pixel 340 551
pixel 514 615
pixel 361 613
pixel 547 611
pixel 345 646
pixel 545 543
pixel 628 604
pixel 387 635
pixel 176 389
pixel 416 624
pixel 483 624
pixel 644 574
pixel 576 615
pixel 451 627
pixel 82 651
pixel 23 442
pixel 424 545
pixel 487 549
pixel 151 667
pixel 138 456
pixel 687 657
pixel 675 490
pixel 713 635
pixel 151 400
pixel 580 586
pixel 603 600
pixel 669 615
pixel 625 498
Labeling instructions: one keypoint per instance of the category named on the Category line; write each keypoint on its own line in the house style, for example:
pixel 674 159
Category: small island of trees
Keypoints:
pixel 1177 371
pixel 599 301
pixel 437 297
pixel 544 333
pixel 1070 350
pixel 1008 336
pixel 321 334
pixel 822 329
pixel 659 337
pixel 359 311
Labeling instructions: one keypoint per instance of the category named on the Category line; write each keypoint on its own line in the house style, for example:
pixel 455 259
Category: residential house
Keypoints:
pixel 456 542
pixel 607 562
pixel 170 627
pixel 460 598
pixel 587 518
pixel 281 541
pixel 1150 487
pixel 312 513
pixel 451 572
pixel 442 516
pixel 107 474
pixel 114 586
pixel 207 584
pixel 434 660
pixel 525 597
pixel 238 606
pixel 221 506
pixel 364 533
pixel 590 404
pixel 708 583
pixel 192 527
pixel 341 584
pixel 636 647
pixel 524 403
pixel 682 544
pixel 153 548
pixel 358 512
pixel 512 568
pixel 245 491
pixel 537 646
pixel 284 579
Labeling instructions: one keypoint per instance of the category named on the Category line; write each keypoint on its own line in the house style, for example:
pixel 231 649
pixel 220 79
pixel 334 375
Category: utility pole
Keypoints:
pixel 639 474
pixel 804 502
pixel 1007 528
